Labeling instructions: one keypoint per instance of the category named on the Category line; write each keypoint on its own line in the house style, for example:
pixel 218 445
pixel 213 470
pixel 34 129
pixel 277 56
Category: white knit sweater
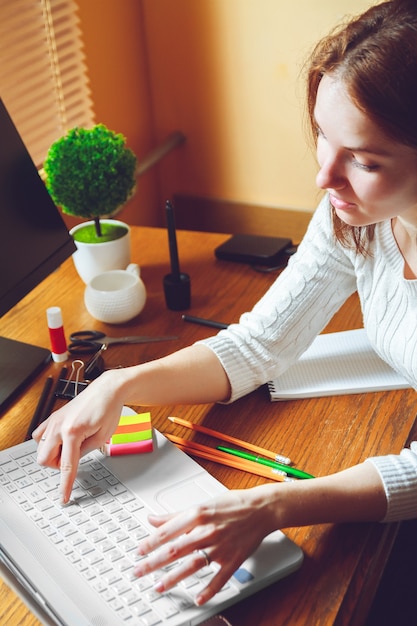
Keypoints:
pixel 318 280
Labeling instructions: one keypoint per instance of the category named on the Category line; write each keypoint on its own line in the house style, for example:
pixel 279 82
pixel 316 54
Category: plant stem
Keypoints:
pixel 98 226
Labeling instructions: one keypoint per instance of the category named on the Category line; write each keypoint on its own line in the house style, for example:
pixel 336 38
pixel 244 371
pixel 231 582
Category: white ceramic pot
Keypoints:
pixel 116 296
pixel 91 259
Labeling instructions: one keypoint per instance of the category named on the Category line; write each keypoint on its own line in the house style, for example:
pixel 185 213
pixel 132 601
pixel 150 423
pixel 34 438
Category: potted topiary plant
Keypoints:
pixel 91 173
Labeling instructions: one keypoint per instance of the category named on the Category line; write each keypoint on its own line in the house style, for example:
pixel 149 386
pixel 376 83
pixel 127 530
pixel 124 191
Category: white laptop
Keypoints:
pixel 76 561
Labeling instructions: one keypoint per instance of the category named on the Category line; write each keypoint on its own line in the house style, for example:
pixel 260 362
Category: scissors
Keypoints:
pixel 89 341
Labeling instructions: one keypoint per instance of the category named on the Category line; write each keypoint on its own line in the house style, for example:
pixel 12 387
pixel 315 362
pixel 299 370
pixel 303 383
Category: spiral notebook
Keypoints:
pixel 336 364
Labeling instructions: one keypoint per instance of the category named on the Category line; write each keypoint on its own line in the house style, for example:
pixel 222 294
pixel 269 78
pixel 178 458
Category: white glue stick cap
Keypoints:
pixel 54 317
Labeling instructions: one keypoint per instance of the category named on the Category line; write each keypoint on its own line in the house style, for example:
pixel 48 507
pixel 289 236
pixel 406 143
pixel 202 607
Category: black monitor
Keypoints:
pixel 34 241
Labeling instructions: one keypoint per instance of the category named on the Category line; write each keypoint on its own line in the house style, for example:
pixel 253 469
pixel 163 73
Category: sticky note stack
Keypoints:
pixel 132 436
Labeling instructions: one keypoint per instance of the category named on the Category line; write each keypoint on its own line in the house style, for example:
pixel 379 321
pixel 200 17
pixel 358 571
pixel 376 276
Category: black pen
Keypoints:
pixel 51 401
pixel 177 284
pixel 204 322
pixel 37 416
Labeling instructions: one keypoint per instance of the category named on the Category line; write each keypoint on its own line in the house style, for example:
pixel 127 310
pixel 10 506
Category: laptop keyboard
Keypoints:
pixel 98 532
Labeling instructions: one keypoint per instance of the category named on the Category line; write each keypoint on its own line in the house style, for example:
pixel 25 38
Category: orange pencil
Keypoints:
pixel 211 454
pixel 279 458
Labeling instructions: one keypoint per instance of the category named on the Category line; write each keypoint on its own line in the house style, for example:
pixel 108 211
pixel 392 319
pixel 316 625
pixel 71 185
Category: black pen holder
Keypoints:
pixel 177 290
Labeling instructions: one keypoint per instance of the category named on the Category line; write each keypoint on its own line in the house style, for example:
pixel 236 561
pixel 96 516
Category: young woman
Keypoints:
pixel 362 98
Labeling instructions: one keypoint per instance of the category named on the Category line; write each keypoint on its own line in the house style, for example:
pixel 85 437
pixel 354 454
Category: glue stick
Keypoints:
pixel 56 334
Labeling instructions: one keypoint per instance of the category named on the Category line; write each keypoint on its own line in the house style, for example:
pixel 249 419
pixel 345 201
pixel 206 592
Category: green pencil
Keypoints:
pixel 291 471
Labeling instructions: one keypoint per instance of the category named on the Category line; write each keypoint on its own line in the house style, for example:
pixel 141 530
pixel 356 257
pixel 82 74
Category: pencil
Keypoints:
pixel 279 458
pixel 211 454
pixel 292 471
pixel 37 416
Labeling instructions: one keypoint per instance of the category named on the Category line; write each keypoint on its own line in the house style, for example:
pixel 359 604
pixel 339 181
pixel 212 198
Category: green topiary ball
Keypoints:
pixel 90 173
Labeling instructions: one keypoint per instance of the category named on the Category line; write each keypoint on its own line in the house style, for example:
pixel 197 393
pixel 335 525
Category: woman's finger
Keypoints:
pixel 169 527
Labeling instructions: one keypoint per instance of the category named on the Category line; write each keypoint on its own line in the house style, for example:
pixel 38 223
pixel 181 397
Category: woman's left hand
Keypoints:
pixel 226 529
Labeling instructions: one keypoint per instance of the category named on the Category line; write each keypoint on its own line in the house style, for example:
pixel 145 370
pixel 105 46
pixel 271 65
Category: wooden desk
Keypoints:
pixel 343 563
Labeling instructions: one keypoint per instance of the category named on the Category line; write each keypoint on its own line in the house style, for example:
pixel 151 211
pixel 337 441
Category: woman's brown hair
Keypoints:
pixel 375 55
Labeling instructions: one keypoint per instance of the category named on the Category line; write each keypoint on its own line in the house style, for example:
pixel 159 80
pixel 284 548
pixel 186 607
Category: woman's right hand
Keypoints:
pixel 192 375
pixel 82 425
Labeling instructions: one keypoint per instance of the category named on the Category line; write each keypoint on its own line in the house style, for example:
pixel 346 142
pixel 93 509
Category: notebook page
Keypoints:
pixel 335 364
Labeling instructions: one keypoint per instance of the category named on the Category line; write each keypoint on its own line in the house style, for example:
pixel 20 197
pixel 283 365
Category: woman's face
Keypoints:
pixel 369 176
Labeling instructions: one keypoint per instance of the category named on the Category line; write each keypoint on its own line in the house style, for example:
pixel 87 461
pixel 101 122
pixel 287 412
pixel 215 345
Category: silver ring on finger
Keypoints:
pixel 43 438
pixel 205 556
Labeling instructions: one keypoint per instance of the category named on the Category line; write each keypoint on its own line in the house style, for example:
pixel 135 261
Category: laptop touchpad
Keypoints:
pixel 186 493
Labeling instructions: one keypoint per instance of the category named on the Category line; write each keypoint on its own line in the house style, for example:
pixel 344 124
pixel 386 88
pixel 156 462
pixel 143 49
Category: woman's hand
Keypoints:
pixel 80 426
pixel 229 528
pixel 226 529
pixel 192 375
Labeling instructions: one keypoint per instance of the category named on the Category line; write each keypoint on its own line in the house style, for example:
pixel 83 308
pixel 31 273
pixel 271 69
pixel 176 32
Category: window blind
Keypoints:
pixel 43 75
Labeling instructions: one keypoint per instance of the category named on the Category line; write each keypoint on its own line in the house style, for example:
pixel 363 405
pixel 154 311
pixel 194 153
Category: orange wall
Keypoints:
pixel 227 73
pixel 114 42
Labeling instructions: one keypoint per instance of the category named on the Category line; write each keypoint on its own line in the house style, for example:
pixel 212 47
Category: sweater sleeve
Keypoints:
pixel 295 309
pixel 399 476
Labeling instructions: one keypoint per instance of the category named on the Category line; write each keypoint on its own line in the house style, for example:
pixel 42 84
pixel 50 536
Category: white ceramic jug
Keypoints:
pixel 116 296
